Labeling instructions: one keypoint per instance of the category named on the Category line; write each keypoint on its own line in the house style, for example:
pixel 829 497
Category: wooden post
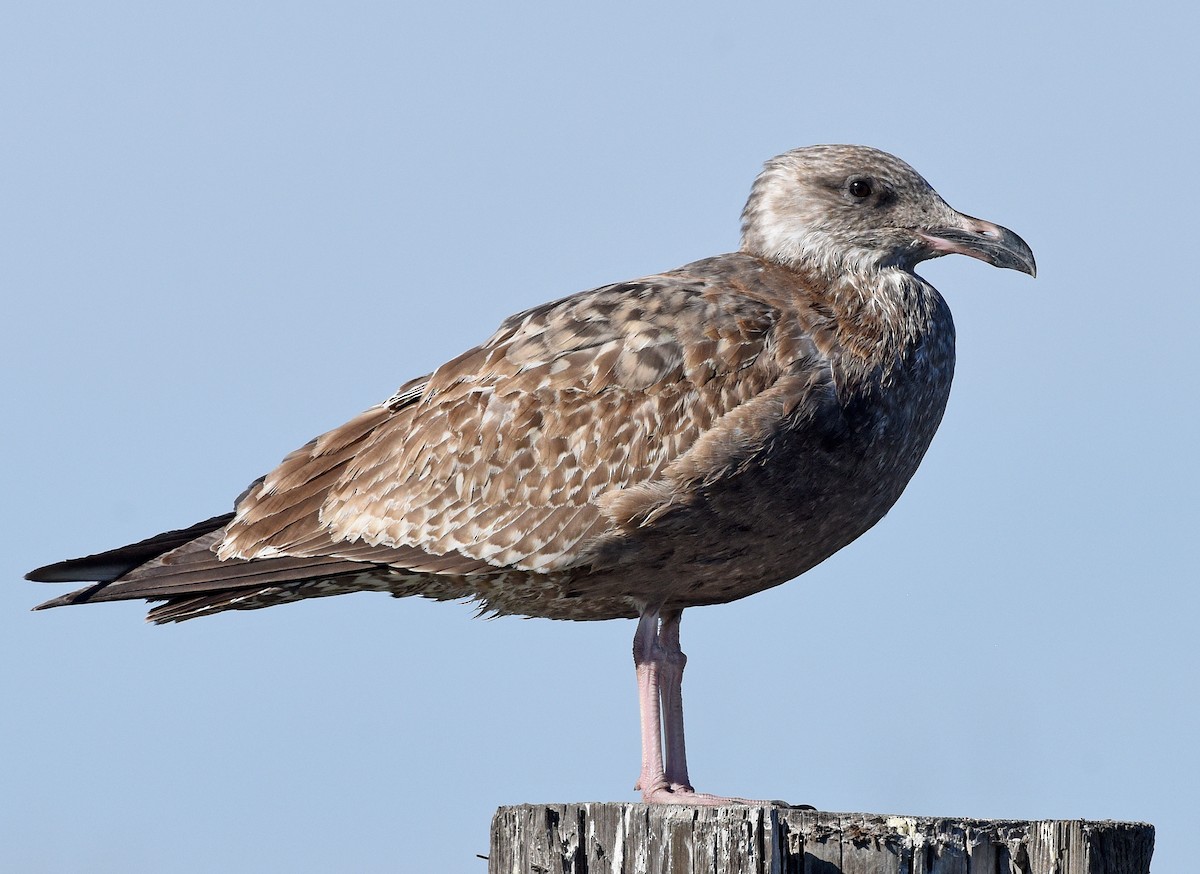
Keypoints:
pixel 638 839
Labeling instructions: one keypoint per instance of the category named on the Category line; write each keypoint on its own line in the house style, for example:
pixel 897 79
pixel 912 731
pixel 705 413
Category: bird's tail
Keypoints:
pixel 181 568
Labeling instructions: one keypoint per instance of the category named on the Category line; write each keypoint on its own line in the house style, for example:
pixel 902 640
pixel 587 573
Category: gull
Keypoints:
pixel 684 439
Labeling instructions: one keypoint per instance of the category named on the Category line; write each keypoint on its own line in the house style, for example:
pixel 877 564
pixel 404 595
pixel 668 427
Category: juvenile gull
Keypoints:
pixel 687 438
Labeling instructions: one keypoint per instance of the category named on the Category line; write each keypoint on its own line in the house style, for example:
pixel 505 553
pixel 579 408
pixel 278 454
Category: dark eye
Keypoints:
pixel 860 188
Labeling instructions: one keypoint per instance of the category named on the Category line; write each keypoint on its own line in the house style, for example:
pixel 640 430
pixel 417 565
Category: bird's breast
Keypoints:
pixel 831 473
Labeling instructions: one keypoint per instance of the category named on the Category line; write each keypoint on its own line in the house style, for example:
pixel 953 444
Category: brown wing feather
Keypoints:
pixel 502 458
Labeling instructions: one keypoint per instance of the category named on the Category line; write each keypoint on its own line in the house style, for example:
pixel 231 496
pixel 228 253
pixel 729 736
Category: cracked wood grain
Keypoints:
pixel 598 838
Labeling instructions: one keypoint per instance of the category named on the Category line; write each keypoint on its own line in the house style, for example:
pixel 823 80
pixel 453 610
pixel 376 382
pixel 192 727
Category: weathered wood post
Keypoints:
pixel 638 839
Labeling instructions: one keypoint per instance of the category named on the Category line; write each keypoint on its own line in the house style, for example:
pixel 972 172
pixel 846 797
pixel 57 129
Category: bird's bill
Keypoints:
pixel 983 240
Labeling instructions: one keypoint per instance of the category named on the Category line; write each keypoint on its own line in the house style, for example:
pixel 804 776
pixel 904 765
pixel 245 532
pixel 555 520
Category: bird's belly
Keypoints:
pixel 769 523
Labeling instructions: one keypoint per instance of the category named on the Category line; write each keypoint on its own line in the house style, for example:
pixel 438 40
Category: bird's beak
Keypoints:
pixel 979 239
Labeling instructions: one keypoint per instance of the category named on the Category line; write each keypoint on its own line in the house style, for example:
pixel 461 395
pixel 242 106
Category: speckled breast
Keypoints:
pixel 818 484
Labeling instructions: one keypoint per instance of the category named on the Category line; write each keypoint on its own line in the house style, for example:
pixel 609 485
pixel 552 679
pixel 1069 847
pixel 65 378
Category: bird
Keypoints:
pixel 684 439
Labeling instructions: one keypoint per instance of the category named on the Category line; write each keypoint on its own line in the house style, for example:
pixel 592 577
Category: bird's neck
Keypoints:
pixel 887 294
pixel 892 321
pixel 880 313
pixel 812 256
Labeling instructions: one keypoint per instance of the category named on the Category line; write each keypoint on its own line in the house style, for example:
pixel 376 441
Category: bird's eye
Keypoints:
pixel 860 188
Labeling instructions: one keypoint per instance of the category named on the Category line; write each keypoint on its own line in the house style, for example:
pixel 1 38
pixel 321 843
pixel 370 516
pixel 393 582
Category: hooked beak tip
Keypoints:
pixel 988 242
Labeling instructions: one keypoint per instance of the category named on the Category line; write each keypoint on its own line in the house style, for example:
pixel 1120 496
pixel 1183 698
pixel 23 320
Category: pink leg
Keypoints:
pixel 671 694
pixel 659 663
pixel 646 661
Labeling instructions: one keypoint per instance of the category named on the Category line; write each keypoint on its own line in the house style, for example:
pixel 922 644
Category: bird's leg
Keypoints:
pixel 670 692
pixel 659 662
pixel 647 657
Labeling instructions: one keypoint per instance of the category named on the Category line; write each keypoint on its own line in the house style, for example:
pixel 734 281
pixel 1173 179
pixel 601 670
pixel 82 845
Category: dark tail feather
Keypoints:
pixel 104 567
pixel 181 567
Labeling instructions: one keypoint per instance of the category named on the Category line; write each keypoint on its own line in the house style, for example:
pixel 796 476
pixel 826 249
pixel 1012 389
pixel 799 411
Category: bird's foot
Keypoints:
pixel 677 794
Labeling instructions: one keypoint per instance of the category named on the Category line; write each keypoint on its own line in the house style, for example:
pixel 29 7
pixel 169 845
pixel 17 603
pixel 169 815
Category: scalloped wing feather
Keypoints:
pixel 508 457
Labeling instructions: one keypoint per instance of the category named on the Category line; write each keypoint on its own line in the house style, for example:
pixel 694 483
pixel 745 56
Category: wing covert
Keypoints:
pixel 502 456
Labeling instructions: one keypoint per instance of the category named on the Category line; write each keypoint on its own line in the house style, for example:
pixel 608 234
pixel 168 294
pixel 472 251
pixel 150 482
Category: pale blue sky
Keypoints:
pixel 227 227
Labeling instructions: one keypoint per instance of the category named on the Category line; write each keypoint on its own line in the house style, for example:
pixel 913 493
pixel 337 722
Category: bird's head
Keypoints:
pixel 851 208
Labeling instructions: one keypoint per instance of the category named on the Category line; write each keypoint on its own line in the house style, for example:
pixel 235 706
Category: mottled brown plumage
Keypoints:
pixel 687 438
